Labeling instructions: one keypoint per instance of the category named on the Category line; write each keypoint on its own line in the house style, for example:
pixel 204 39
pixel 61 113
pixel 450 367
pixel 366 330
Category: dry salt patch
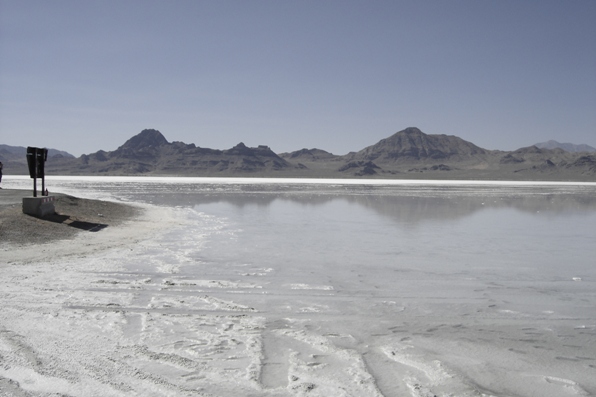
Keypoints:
pixel 310 286
pixel 314 308
pixel 212 283
pixel 567 385
pixel 545 385
pixel 204 302
pixel 427 377
pixel 315 366
pixel 258 272
pixel 218 355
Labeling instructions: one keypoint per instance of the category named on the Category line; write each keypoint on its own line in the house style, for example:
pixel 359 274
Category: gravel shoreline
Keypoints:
pixel 73 216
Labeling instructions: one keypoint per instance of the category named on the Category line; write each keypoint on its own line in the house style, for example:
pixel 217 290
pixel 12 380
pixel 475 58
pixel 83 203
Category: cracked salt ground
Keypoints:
pixel 300 292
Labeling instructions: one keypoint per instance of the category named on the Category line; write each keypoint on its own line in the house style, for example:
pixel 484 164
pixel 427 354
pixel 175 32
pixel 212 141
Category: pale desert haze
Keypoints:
pixel 257 287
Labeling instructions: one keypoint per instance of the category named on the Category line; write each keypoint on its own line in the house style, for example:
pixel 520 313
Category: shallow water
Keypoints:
pixel 278 288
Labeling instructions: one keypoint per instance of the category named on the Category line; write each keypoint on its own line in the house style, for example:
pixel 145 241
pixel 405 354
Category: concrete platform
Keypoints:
pixel 39 206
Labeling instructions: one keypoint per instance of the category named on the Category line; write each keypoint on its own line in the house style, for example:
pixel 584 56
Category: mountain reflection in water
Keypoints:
pixel 401 204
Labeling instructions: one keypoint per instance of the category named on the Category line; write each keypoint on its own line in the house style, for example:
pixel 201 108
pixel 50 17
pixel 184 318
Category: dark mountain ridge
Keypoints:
pixel 413 144
pixel 309 154
pixel 409 153
pixel 150 152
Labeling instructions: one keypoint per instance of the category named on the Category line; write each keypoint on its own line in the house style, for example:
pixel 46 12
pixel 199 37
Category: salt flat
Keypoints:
pixel 288 288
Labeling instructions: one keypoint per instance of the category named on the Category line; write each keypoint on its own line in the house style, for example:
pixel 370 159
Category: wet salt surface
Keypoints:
pixel 273 289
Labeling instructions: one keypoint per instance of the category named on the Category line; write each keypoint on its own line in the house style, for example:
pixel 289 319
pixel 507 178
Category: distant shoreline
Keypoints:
pixel 302 180
pixel 422 176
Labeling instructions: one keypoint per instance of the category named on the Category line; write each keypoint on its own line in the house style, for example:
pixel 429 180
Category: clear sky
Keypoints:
pixel 336 75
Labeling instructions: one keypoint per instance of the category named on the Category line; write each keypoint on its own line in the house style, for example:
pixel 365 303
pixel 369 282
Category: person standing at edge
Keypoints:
pixel 0 173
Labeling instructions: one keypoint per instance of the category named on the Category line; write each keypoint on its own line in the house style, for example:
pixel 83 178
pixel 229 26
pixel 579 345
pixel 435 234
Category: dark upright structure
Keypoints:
pixel 36 159
pixel 40 207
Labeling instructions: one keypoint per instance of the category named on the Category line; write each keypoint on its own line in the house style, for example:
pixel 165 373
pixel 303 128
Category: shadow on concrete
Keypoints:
pixel 77 224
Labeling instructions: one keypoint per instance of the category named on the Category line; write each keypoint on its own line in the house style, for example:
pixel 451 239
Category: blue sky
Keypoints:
pixel 336 75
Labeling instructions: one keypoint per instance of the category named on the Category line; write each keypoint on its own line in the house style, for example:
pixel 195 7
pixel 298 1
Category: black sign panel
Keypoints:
pixel 36 159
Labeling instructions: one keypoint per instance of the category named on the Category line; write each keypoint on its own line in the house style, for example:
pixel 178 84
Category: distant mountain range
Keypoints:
pixel 8 151
pixel 409 153
pixel 570 147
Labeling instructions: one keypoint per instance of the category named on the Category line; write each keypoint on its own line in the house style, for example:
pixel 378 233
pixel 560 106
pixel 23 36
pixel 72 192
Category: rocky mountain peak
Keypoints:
pixel 146 138
pixel 410 131
pixel 412 143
